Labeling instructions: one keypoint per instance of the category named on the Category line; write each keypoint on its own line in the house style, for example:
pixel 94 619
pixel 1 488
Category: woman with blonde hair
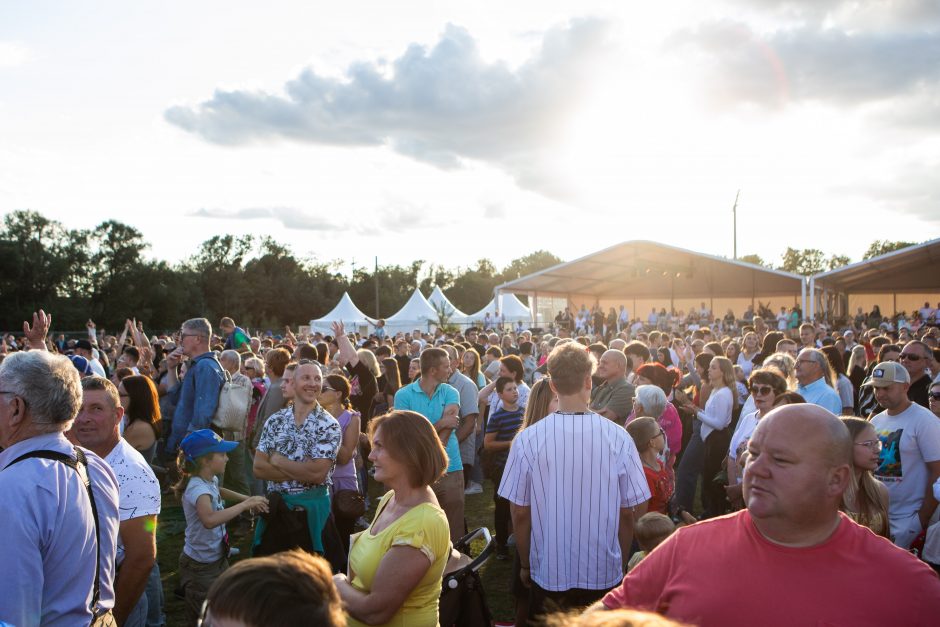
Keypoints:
pixel 865 499
pixel 709 443
pixel 397 564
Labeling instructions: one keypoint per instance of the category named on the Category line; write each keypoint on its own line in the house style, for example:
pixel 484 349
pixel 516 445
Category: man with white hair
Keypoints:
pixel 58 551
pixel 814 375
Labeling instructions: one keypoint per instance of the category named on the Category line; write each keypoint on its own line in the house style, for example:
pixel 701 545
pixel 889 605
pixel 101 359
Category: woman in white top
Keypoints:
pixel 709 433
pixel 748 352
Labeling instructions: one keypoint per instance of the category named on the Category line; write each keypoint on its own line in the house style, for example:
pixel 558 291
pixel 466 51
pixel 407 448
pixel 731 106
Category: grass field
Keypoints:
pixel 479 512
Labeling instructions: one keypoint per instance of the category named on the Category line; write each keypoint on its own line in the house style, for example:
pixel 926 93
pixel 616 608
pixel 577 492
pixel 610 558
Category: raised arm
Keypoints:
pixel 347 352
pixel 36 334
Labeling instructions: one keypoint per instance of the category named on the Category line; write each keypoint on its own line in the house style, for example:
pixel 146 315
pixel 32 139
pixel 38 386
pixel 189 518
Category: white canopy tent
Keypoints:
pixel 345 312
pixel 901 280
pixel 648 274
pixel 441 303
pixel 508 306
pixel 417 313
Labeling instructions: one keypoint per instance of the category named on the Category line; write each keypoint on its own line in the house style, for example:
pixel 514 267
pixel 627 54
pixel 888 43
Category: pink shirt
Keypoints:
pixel 723 573
pixel 671 424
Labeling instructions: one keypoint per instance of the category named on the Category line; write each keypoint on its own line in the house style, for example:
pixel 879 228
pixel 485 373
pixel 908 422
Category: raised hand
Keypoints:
pixel 338 328
pixel 36 334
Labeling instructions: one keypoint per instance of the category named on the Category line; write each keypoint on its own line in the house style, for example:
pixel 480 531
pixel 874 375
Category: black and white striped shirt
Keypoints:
pixel 576 471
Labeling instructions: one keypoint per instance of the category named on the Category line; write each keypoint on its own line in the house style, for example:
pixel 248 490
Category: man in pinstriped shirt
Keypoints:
pixel 575 484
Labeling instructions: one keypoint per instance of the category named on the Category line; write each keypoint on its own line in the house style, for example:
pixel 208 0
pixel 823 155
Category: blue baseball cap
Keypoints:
pixel 203 442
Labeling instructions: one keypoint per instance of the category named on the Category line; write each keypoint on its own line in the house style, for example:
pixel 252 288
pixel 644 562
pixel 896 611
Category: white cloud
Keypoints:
pixel 440 105
pixel 813 64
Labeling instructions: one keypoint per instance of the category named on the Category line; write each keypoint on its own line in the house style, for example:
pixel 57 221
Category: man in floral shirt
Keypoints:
pixel 297 452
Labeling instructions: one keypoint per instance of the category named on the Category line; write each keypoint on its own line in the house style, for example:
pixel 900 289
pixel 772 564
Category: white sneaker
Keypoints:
pixel 474 488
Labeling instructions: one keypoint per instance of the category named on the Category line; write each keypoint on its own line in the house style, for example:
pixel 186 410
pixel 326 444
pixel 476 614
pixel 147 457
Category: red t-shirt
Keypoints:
pixel 723 573
pixel 661 488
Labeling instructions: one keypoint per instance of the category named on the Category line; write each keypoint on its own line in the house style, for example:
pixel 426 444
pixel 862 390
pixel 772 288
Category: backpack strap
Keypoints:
pixel 79 465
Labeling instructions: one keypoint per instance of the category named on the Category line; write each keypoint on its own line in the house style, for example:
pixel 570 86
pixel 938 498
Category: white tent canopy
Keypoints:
pixel 345 312
pixel 417 313
pixel 440 302
pixel 510 308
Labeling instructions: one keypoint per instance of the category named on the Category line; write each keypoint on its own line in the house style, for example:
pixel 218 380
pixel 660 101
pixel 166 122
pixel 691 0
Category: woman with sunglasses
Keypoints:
pixel 765 384
pixel 865 499
pixel 934 397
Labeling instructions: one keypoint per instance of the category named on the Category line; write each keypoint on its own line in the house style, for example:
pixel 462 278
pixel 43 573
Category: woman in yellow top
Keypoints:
pixel 396 565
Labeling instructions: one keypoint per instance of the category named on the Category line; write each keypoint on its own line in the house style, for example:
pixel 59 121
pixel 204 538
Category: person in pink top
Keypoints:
pixel 792 538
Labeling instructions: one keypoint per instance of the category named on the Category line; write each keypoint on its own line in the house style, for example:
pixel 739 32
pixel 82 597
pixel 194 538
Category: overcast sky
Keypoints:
pixel 450 131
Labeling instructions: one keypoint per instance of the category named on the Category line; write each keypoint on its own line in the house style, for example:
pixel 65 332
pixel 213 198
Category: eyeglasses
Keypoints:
pixel 934 396
pixel 910 357
pixel 326 389
pixel 874 445
pixel 762 389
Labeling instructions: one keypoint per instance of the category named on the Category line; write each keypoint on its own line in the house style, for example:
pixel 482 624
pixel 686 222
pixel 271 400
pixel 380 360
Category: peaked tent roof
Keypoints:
pixel 439 301
pixel 512 309
pixel 912 269
pixel 417 313
pixel 346 312
pixel 644 269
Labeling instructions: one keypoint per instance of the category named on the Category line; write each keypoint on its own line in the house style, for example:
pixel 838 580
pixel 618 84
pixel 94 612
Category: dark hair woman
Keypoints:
pixel 392 380
pixel 334 398
pixel 142 424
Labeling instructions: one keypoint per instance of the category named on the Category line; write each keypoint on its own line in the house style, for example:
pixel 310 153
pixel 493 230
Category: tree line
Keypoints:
pixel 103 274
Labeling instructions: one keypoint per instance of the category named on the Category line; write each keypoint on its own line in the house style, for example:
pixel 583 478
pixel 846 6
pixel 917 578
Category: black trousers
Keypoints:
pixel 501 514
pixel 542 602
pixel 714 497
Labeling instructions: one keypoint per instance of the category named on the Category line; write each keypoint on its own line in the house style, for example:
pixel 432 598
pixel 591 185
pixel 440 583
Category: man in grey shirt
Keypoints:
pixel 613 398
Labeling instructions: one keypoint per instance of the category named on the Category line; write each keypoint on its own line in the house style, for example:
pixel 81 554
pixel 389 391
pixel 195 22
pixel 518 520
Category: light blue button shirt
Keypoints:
pixel 432 407
pixel 48 543
pixel 819 393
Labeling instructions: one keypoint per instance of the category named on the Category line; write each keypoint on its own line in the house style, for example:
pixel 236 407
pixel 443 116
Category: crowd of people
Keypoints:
pixel 635 466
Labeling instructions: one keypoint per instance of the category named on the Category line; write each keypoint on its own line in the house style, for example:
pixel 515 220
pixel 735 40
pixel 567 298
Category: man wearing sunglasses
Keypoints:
pixel 916 357
pixel 910 454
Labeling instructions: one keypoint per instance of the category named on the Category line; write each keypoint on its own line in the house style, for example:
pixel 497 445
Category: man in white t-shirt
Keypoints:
pixel 575 482
pixel 97 427
pixel 910 454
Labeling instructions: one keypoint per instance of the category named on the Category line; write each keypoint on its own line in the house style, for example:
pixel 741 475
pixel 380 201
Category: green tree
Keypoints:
pixel 754 259
pixel 533 262
pixel 473 288
pixel 807 261
pixel 219 265
pixel 396 283
pixel 837 261
pixel 41 263
pixel 882 246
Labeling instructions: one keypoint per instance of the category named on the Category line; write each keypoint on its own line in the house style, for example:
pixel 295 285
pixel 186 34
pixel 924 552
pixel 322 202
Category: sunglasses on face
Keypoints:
pixel 910 357
pixel 935 396
pixel 761 389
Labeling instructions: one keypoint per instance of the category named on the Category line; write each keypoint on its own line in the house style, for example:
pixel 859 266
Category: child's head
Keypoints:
pixel 652 529
pixel 507 390
pixel 647 434
pixel 739 374
pixel 203 447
